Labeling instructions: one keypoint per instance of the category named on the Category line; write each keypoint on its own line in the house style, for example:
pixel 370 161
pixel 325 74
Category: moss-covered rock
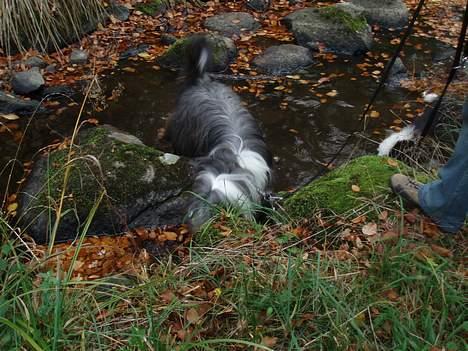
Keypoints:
pixel 142 187
pixel 333 192
pixel 340 30
pixel 353 22
pixel 152 7
pixel 224 51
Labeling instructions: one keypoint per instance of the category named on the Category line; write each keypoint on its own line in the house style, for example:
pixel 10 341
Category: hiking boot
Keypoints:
pixel 406 187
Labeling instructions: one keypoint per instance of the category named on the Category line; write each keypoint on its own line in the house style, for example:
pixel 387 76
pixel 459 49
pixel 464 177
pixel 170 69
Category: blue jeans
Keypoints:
pixel 446 200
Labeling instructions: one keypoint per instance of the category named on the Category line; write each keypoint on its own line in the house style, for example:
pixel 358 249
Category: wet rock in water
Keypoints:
pixel 27 82
pixel 224 51
pixel 119 11
pixel 397 73
pixel 35 61
pixel 283 59
pixel 10 103
pixel 232 23
pixel 341 31
pixel 168 39
pixel 258 5
pixel 442 52
pixel 141 188
pixel 79 57
pixel 133 51
pixel 386 13
pixel 58 92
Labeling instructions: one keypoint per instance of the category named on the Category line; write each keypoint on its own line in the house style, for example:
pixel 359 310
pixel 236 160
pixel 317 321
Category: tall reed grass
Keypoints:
pixel 46 25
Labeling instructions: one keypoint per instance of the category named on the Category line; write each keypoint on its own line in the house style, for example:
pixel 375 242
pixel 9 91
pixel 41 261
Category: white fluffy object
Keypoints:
pixel 386 146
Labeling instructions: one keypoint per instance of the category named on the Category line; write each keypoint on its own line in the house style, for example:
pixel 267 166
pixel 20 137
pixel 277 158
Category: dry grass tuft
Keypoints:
pixel 46 25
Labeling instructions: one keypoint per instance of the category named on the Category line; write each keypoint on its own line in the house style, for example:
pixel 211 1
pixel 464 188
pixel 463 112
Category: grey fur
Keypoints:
pixel 211 124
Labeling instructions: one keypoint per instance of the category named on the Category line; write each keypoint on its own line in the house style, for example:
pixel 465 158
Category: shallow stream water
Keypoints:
pixel 302 132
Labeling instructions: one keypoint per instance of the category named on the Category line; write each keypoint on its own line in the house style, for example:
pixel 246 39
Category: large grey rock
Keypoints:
pixel 12 104
pixel 79 57
pixel 224 51
pixel 283 59
pixel 339 30
pixel 141 185
pixel 386 13
pixel 27 82
pixel 232 23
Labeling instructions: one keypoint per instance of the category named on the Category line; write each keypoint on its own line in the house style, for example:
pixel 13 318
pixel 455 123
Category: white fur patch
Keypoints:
pixel 429 97
pixel 203 60
pixel 389 143
pixel 255 164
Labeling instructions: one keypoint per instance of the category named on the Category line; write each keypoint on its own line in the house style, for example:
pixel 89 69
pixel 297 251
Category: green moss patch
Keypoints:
pixel 337 15
pixel 334 192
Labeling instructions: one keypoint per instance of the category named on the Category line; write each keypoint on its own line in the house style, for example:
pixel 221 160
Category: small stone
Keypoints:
pixel 35 61
pixel 168 39
pixel 134 51
pixel 119 11
pixel 78 57
pixel 258 5
pixel 398 68
pixel 27 82
pixel 51 68
pixel 232 23
pixel 283 59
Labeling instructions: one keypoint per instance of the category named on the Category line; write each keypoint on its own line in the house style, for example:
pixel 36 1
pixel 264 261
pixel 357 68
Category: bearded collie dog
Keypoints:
pixel 232 161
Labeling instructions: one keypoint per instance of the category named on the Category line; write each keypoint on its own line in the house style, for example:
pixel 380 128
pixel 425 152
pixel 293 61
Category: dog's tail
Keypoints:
pixel 199 57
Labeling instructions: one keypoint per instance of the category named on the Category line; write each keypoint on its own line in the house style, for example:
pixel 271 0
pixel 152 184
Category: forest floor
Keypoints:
pixel 381 277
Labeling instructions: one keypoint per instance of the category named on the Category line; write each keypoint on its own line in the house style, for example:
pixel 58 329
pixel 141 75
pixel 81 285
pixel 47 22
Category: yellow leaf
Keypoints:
pixel 332 93
pixel 375 114
pixel 145 55
pixel 12 207
pixel 392 162
pixel 280 87
pixel 10 116
pixel 129 69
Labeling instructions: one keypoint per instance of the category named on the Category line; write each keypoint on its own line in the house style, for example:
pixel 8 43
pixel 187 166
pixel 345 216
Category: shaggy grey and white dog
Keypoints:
pixel 210 123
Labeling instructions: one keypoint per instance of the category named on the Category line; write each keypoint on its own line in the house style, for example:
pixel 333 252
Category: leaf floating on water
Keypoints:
pixel 129 69
pixel 332 93
pixel 145 55
pixel 280 87
pixel 374 114
pixel 10 117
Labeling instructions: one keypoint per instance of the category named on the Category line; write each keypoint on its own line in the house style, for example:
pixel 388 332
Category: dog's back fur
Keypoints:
pixel 210 123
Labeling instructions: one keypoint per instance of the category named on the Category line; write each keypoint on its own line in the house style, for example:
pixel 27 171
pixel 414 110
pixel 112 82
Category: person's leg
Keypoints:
pixel 446 200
